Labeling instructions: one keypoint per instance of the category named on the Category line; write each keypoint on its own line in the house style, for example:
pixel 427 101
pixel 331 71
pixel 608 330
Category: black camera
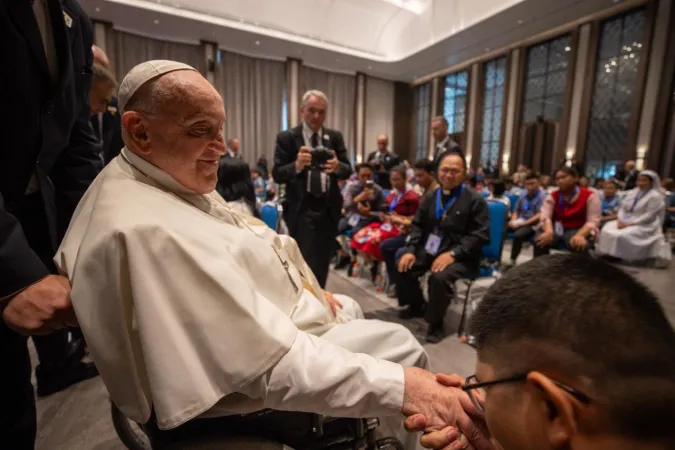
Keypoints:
pixel 320 156
pixel 370 184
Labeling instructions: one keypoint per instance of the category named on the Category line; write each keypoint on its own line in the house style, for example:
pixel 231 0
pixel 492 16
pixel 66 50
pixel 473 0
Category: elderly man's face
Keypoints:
pixel 314 113
pixel 184 136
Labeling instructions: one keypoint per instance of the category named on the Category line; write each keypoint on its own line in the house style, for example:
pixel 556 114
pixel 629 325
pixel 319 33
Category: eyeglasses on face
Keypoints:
pixel 477 392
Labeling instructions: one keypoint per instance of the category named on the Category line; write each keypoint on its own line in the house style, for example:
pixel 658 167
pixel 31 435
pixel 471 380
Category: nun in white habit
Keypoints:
pixel 637 233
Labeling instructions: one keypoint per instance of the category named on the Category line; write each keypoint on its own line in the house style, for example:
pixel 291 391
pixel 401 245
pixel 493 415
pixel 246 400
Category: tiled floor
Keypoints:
pixel 79 418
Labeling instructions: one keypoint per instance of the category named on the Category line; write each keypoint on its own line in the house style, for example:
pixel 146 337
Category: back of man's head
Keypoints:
pixel 587 321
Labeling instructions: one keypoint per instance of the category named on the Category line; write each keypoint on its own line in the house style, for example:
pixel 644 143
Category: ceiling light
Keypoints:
pixel 567 49
pixel 520 21
pixel 257 42
pixel 614 63
pixel 414 6
pixel 156 21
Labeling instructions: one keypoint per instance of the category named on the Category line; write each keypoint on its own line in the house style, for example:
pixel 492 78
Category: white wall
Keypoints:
pixel 379 112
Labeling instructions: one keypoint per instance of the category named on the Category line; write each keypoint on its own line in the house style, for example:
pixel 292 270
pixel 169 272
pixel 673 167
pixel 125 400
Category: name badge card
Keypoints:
pixel 559 229
pixel 433 244
pixel 386 227
pixel 354 220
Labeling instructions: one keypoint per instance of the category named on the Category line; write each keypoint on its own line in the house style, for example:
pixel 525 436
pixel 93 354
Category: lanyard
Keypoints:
pixel 395 201
pixel 563 204
pixel 611 204
pixel 440 211
pixel 638 196
pixel 526 202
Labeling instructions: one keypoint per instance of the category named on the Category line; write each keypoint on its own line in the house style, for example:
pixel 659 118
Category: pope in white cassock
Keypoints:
pixel 196 311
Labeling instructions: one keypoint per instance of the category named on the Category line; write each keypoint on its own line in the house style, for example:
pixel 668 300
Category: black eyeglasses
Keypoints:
pixel 476 389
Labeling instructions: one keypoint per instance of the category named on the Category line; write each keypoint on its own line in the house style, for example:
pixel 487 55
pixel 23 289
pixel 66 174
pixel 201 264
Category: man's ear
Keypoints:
pixel 136 127
pixel 557 408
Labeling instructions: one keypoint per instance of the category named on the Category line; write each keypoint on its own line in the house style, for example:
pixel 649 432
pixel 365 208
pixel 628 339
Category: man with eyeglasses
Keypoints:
pixel 448 232
pixel 573 354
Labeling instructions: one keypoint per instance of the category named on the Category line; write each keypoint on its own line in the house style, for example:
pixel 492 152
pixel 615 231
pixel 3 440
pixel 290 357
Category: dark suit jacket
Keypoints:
pixel 465 230
pixel 449 147
pixel 286 152
pixel 112 143
pixel 44 128
pixel 389 161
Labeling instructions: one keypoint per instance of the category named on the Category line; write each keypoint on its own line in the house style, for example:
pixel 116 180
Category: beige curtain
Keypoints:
pixel 379 112
pixel 253 91
pixel 127 50
pixel 341 92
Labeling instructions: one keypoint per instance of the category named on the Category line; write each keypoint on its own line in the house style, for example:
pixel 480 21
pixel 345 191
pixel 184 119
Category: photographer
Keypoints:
pixel 382 161
pixel 310 159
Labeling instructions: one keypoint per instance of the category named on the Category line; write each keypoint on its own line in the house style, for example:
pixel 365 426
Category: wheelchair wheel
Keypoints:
pixel 129 432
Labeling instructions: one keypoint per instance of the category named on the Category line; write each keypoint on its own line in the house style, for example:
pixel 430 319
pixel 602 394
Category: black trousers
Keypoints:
pixel 315 235
pixel 521 235
pixel 17 404
pixel 565 238
pixel 441 287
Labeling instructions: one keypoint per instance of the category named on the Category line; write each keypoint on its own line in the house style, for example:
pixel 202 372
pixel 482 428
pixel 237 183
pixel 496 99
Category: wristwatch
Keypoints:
pixel 452 253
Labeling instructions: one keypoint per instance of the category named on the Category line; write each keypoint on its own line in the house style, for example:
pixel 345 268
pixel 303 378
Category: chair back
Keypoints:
pixel 270 215
pixel 513 198
pixel 497 212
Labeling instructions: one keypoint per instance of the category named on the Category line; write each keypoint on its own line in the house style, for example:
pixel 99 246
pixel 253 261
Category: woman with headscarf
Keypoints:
pixel 637 234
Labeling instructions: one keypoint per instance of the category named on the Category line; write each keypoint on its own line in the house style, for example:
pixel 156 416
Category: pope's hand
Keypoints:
pixel 406 262
pixel 331 165
pixel 432 407
pixel 41 308
pixel 332 301
pixel 304 159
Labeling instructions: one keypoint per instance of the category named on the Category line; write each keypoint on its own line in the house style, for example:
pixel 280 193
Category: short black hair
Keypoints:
pixel 425 164
pixel 235 182
pixel 498 187
pixel 532 176
pixel 363 165
pixel 401 169
pixel 589 321
pixel 567 170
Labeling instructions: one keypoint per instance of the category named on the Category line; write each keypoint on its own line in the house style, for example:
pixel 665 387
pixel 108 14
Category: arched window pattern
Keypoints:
pixel 493 104
pixel 546 79
pixel 619 57
pixel 454 104
pixel 422 108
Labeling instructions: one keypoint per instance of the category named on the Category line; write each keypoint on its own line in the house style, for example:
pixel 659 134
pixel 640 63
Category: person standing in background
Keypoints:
pixel 382 161
pixel 49 156
pixel 105 119
pixel 233 147
pixel 444 144
pixel 313 197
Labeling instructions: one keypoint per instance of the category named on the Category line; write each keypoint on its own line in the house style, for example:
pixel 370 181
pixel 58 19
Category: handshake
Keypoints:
pixel 449 418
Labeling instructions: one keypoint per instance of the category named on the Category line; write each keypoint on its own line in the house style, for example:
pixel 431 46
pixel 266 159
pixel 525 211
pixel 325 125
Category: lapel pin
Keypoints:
pixel 326 137
pixel 67 19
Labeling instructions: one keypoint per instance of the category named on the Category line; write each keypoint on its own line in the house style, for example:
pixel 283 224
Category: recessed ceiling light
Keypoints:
pixel 156 21
pixel 567 49
pixel 487 50
pixel 520 21
pixel 257 42
pixel 370 67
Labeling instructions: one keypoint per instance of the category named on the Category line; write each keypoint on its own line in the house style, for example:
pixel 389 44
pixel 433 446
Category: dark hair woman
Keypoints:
pixel 236 185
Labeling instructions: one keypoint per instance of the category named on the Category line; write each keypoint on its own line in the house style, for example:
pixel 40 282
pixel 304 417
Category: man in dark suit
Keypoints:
pixel 444 144
pixel 105 119
pixel 448 231
pixel 383 161
pixel 312 193
pixel 49 156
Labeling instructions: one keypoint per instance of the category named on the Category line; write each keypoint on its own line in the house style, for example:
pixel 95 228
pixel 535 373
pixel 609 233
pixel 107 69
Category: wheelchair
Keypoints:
pixel 283 431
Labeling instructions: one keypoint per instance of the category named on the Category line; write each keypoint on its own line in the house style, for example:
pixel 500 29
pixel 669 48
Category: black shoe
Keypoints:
pixel 411 313
pixel 435 334
pixel 53 381
pixel 374 270
pixel 342 262
pixel 350 269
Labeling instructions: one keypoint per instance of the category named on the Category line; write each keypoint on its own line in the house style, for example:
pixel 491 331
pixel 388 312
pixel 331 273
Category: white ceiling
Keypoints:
pixel 395 39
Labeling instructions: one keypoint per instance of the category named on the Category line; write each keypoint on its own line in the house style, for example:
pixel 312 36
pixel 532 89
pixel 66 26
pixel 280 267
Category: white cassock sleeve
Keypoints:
pixel 318 376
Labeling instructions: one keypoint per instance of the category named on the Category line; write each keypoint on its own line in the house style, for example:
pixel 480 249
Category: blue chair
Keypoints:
pixel 492 253
pixel 270 215
pixel 485 194
pixel 513 198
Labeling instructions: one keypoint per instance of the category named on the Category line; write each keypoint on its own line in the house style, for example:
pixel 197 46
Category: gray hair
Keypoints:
pixel 313 93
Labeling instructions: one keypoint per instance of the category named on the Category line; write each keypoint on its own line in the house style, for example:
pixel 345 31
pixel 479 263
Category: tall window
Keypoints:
pixel 619 57
pixel 493 103
pixel 454 105
pixel 422 108
pixel 546 79
pixel 284 110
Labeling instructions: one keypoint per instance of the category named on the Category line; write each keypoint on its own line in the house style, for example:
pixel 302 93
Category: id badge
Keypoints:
pixel 386 227
pixel 354 220
pixel 433 244
pixel 559 229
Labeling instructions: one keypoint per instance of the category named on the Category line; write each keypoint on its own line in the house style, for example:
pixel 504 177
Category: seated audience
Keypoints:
pixel 584 182
pixel 497 190
pixel 392 249
pixel 610 201
pixel 580 358
pixel 525 218
pixel 363 201
pixel 599 184
pixel 448 232
pixel 394 225
pixel 569 215
pixel 637 233
pixel 259 184
pixel 512 185
pixel 236 186
pixel 195 314
pixel 545 182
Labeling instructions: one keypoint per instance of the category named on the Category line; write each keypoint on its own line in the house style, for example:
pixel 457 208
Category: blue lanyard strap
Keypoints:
pixel 563 204
pixel 526 202
pixel 441 210
pixel 638 196
pixel 395 201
